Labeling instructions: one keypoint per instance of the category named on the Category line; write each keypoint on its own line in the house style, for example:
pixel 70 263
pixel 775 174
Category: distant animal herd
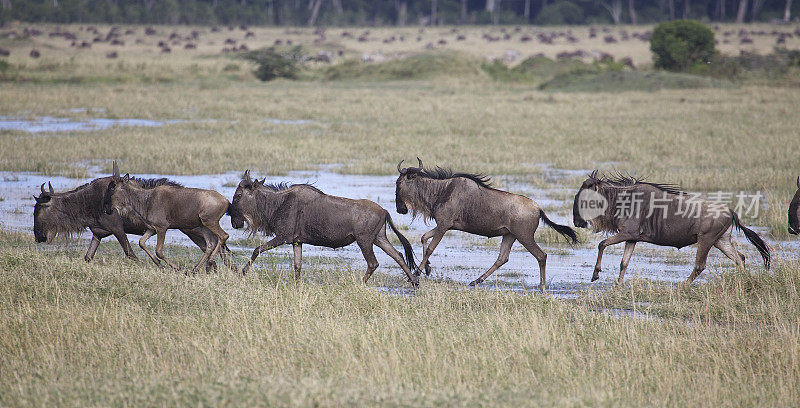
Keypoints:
pixel 300 214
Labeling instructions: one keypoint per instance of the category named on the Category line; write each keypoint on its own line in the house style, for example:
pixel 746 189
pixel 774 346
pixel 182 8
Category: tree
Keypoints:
pixel 614 8
pixel 681 44
pixel 315 5
pixel 740 15
pixel 787 12
pixel 632 13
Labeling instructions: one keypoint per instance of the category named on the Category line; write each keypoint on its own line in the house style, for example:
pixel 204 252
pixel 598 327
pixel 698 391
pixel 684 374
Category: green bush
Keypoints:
pixel 682 44
pixel 560 13
pixel 273 63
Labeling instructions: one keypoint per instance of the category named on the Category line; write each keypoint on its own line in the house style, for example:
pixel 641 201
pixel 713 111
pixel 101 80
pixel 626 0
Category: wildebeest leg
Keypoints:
pixel 222 236
pixel 725 245
pixel 369 256
pixel 92 248
pixel 142 244
pixel 626 258
pixel 124 243
pixel 505 249
pixel 274 242
pixel 540 256
pixel 425 237
pixel 160 236
pixel 199 238
pixel 298 259
pixel 383 243
pixel 616 239
pixel 437 237
pixel 703 246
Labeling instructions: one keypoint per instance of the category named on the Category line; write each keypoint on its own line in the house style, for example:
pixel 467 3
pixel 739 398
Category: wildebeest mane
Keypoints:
pixel 283 186
pixel 155 182
pixel 624 180
pixel 441 173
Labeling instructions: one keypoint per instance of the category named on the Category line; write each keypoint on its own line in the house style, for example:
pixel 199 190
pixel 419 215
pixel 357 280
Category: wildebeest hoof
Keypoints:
pixel 595 277
pixel 475 282
pixel 417 272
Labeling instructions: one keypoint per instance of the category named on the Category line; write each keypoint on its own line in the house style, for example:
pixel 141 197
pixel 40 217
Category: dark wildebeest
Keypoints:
pixel 794 212
pixel 466 202
pixel 301 214
pixel 169 206
pixel 660 214
pixel 73 211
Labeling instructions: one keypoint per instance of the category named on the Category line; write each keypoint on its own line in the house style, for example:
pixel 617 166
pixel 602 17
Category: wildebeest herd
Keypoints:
pixel 302 214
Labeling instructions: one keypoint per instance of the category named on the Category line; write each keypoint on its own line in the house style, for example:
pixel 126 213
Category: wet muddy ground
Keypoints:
pixel 460 257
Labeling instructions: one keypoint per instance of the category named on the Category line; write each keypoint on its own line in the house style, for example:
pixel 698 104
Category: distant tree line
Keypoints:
pixel 393 12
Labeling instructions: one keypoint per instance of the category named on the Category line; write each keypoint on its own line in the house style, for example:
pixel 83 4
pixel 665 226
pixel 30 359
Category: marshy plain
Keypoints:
pixel 114 332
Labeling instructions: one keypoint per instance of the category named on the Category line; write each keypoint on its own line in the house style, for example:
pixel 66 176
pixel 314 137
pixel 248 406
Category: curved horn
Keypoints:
pixel 246 177
pixel 401 162
pixel 50 186
pixel 420 162
pixel 42 188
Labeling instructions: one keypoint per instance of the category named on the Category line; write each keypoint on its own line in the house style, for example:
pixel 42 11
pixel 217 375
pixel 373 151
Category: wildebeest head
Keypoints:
pixel 794 212
pixel 243 200
pixel 119 194
pixel 583 199
pixel 45 219
pixel 403 192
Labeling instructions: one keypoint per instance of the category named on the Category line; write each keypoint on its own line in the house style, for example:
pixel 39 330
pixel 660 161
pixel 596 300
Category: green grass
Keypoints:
pixel 622 81
pixel 416 66
pixel 115 333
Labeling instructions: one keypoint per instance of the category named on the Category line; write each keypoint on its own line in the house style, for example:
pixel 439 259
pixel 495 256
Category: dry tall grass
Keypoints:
pixel 112 333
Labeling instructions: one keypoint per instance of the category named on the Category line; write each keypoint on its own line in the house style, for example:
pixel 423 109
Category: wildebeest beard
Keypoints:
pixel 75 210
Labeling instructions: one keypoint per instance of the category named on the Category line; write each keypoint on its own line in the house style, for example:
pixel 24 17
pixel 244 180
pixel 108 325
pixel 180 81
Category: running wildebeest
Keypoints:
pixel 70 212
pixel 660 214
pixel 794 212
pixel 169 206
pixel 301 214
pixel 466 202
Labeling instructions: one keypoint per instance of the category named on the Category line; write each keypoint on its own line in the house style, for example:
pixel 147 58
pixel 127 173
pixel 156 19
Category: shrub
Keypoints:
pixel 273 63
pixel 560 13
pixel 682 44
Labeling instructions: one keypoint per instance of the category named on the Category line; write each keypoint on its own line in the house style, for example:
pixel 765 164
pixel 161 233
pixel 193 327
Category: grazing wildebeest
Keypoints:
pixel 794 212
pixel 301 214
pixel 466 202
pixel 660 214
pixel 73 211
pixel 169 206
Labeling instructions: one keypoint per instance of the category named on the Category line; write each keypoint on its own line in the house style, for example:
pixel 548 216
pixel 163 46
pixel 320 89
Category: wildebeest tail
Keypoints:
pixel 406 245
pixel 564 230
pixel 754 239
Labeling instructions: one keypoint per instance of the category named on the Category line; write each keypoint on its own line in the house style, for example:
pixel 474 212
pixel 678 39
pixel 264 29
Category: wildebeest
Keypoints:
pixel 661 214
pixel 73 211
pixel 302 214
pixel 466 202
pixel 169 206
pixel 794 212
